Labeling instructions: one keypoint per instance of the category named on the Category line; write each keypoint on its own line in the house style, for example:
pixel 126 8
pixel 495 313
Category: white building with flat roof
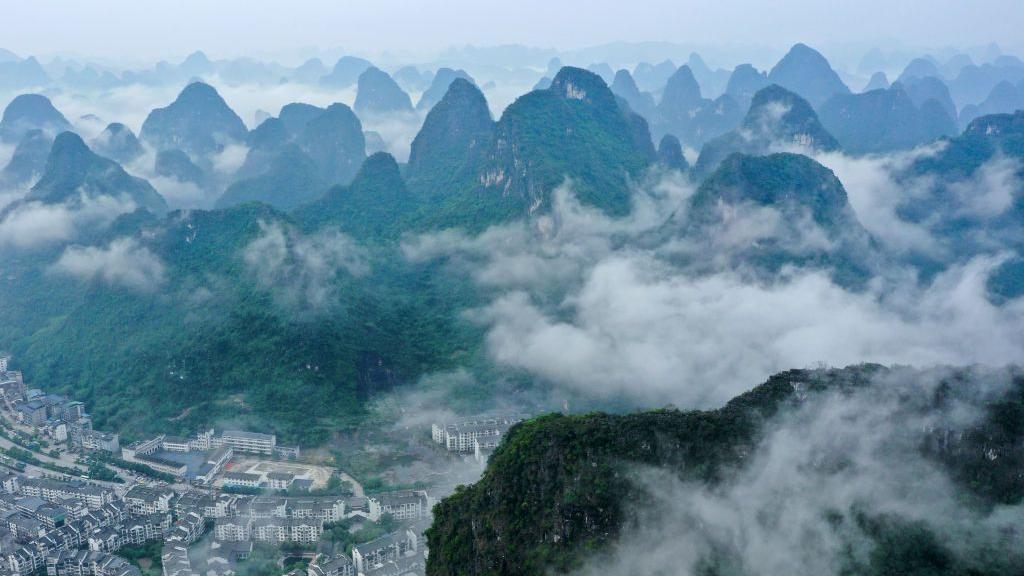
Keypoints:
pixel 243 441
pixel 400 505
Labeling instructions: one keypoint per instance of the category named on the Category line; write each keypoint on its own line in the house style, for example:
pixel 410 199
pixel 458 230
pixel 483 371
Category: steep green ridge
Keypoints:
pixel 334 140
pixel 439 85
pixel 72 170
pixel 290 179
pixel 575 128
pixel 884 120
pixel 805 71
pixel 118 143
pixel 378 93
pixel 776 118
pixel 558 489
pixel 373 206
pixel 264 142
pixel 469 172
pixel 961 161
pixel 31 112
pixel 813 223
pixel 455 136
pixel 198 122
pixel 28 160
pixel 174 163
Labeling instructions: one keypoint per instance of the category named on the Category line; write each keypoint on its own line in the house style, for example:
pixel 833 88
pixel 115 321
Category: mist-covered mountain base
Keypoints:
pixel 863 470
pixel 291 275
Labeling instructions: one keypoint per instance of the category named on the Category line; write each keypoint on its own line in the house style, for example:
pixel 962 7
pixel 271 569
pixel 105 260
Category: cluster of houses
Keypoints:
pixel 73 528
pixel 281 519
pixel 52 415
pixel 76 528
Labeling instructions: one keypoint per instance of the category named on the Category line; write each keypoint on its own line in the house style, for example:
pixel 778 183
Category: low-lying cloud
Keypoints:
pixel 800 503
pixel 639 329
pixel 301 270
pixel 603 307
pixel 33 224
pixel 123 262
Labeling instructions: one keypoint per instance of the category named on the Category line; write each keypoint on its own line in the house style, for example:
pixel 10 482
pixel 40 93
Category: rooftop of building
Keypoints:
pixel 245 476
pixel 248 435
pixel 147 493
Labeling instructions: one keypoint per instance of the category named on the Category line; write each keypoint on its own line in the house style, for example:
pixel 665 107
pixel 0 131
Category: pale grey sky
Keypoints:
pixel 146 29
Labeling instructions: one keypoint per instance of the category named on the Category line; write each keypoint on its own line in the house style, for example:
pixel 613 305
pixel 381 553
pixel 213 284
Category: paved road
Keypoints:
pixel 68 460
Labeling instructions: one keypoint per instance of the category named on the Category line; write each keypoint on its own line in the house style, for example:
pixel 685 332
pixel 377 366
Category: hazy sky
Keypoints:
pixel 143 29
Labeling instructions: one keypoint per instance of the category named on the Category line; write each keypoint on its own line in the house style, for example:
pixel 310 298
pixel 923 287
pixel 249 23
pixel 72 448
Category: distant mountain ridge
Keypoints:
pixel 73 170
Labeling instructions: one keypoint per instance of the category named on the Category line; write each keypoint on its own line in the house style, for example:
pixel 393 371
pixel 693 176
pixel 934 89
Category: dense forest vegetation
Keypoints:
pixel 560 489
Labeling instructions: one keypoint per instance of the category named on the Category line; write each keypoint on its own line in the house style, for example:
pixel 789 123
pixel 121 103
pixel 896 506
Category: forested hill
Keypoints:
pixel 560 489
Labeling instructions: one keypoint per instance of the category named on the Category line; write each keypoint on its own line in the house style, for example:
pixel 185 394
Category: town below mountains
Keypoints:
pixel 517 316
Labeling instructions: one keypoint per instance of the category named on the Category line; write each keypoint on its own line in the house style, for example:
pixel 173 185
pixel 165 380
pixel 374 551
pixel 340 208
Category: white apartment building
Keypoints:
pixel 464 436
pixel 387 548
pixel 53 491
pixel 145 500
pixel 401 505
pixel 281 530
pixel 233 529
pixel 243 441
pixel 242 479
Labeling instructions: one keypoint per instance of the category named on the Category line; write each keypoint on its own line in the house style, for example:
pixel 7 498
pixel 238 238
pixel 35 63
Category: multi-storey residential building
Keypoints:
pixel 88 563
pixel 281 530
pixel 9 482
pixel 24 561
pixel 31 413
pixel 243 441
pixel 94 440
pixel 188 528
pixel 242 479
pixel 108 514
pixel 138 530
pixel 402 505
pixel 175 560
pixel 387 548
pixel 105 539
pixel 52 490
pixel 216 505
pixel 146 500
pixel 463 436
pixel 233 529
pixel 326 508
pixel 25 527
pixel 280 480
pixel 202 441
